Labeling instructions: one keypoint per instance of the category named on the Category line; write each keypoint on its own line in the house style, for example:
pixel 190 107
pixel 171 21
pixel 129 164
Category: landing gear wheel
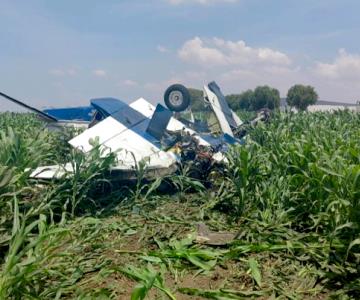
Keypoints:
pixel 177 97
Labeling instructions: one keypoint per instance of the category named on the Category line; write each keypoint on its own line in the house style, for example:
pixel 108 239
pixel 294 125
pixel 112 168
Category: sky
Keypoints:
pixel 63 53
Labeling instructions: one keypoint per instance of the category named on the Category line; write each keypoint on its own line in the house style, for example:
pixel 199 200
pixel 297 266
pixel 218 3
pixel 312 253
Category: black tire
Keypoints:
pixel 177 97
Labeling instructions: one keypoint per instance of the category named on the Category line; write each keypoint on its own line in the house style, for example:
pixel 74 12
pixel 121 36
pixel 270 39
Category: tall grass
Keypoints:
pixel 293 189
pixel 302 173
pixel 31 248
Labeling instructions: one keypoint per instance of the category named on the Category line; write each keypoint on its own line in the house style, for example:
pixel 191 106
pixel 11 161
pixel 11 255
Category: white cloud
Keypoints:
pixel 63 72
pixel 129 82
pixel 58 84
pixel 219 52
pixel 195 51
pixel 57 72
pixel 99 73
pixel 162 49
pixel 237 66
pixel 345 66
pixel 72 72
pixel 202 2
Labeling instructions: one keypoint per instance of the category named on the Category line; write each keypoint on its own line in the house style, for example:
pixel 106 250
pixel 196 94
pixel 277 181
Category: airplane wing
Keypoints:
pixel 125 133
pixel 41 114
pixel 109 130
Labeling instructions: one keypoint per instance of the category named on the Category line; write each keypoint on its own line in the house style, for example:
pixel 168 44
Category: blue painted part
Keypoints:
pixel 159 122
pixel 128 116
pixel 83 113
pixel 213 141
pixel 230 140
pixel 118 110
pixel 242 141
pixel 141 130
pixel 108 106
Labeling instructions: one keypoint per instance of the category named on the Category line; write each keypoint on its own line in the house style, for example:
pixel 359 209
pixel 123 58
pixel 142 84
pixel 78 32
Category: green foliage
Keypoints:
pixel 142 190
pixel 290 193
pixel 146 278
pixel 28 253
pixel 261 97
pixel 302 173
pixel 78 188
pixel 197 99
pixel 301 96
pixel 246 116
pixel 242 101
pixel 266 97
pixel 180 251
pixel 183 182
pixel 254 270
pixel 222 294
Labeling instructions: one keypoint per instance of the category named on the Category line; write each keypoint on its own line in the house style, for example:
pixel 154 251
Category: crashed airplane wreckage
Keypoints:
pixel 159 136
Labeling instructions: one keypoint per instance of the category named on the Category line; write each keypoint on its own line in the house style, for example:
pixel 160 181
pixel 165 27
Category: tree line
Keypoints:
pixel 299 96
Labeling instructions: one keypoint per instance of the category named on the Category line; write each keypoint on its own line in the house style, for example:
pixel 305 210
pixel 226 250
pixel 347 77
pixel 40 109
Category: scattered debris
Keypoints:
pixel 158 136
pixel 207 237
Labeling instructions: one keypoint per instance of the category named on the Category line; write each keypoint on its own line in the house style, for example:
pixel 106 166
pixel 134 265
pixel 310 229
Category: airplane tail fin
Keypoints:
pixel 159 122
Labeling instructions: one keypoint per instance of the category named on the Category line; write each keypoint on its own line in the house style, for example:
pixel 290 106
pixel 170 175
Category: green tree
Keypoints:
pixel 265 97
pixel 241 101
pixel 301 96
pixel 196 99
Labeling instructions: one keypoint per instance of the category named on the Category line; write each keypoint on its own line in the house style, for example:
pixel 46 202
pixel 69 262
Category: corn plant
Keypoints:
pixel 292 193
pixel 147 278
pixel 33 245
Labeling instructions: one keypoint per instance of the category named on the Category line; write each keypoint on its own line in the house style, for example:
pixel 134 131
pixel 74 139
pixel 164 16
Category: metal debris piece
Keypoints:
pixel 207 237
pixel 160 137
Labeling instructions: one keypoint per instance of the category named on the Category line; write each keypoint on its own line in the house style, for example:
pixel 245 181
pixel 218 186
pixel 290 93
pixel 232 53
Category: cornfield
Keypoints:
pixel 290 195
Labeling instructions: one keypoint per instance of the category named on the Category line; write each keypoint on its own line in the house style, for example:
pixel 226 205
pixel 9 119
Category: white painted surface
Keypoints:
pixel 314 108
pixel 144 107
pixel 215 105
pixel 132 145
pixel 104 131
pixel 49 172
pixel 158 160
pixel 236 118
pixel 147 109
